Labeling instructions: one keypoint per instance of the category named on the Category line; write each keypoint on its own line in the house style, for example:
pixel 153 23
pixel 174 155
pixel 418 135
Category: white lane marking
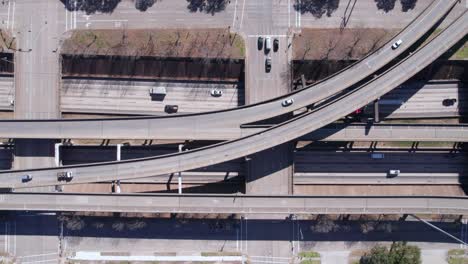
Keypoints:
pixel 274 36
pixel 38 255
pixel 300 13
pixel 74 14
pixel 6 237
pixel 13 17
pixel 66 18
pixel 103 20
pixel 289 13
pixel 235 12
pixel 40 261
pixel 8 18
pixel 242 15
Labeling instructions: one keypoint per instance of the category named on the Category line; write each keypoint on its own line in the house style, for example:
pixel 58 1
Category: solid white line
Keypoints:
pixel 299 13
pixel 295 13
pixel 234 17
pixel 66 19
pixel 242 15
pixel 104 20
pixel 39 261
pixel 38 255
pixel 8 19
pixel 74 15
pixel 13 17
pixel 6 238
pixel 289 13
pixel 273 36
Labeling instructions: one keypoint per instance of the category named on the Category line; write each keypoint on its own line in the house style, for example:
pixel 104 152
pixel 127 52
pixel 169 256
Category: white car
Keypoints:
pixel 216 93
pixel 393 173
pixel 287 102
pixel 397 44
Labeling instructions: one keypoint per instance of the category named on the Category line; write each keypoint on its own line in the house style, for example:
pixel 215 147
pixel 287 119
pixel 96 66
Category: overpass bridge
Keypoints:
pixel 218 124
pixel 292 129
pixel 234 204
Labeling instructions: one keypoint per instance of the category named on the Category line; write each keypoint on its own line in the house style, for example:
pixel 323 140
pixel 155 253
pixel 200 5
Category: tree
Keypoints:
pixel 377 255
pixel 407 5
pixel 207 6
pixel 317 7
pixel 399 253
pixel 385 5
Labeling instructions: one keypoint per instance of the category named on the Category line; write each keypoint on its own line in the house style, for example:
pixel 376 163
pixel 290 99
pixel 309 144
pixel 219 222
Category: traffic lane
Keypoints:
pixel 348 162
pixel 163 14
pixel 133 97
pixel 36 84
pixel 260 84
pixel 7 93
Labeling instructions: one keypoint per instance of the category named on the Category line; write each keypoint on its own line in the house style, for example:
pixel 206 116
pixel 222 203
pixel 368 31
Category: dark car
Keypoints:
pixel 26 178
pixel 268 65
pixel 171 109
pixel 260 43
pixel 275 45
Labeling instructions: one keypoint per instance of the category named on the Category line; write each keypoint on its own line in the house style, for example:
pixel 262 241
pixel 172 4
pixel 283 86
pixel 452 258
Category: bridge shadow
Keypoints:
pixel 228 227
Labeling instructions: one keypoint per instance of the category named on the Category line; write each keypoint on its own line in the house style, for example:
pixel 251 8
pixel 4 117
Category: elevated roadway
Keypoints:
pixel 230 204
pixel 215 124
pixel 285 132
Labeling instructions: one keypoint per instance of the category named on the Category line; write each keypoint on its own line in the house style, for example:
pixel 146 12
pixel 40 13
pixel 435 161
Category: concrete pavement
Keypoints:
pixel 132 97
pixel 233 204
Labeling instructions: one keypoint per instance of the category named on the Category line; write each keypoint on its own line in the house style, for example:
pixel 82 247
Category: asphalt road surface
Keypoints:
pixel 133 97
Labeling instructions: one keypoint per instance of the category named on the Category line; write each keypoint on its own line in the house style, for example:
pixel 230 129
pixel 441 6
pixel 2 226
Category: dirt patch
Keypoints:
pixel 194 43
pixel 336 44
pixel 7 42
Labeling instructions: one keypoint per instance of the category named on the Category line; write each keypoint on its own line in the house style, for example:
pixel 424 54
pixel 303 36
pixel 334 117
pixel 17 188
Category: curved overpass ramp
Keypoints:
pixel 217 125
pixel 230 204
pixel 287 131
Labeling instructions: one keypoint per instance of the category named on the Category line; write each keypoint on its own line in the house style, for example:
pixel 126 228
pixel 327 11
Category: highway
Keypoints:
pixel 209 125
pixel 418 100
pixel 282 133
pixel 234 204
pixel 7 93
pixel 328 167
pixel 355 166
pixel 132 97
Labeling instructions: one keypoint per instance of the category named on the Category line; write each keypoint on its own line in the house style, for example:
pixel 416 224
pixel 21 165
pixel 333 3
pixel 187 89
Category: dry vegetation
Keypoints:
pixel 7 43
pixel 195 43
pixel 336 44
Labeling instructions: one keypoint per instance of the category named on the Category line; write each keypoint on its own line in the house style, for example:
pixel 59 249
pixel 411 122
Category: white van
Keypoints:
pixel 267 44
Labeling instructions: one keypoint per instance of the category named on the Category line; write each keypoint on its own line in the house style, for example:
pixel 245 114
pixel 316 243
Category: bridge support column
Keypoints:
pixel 119 152
pixel 376 111
pixel 179 175
pixel 57 154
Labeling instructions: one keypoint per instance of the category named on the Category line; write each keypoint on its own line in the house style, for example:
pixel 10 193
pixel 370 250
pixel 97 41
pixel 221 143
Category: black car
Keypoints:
pixel 171 109
pixel 268 65
pixel 275 45
pixel 260 43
